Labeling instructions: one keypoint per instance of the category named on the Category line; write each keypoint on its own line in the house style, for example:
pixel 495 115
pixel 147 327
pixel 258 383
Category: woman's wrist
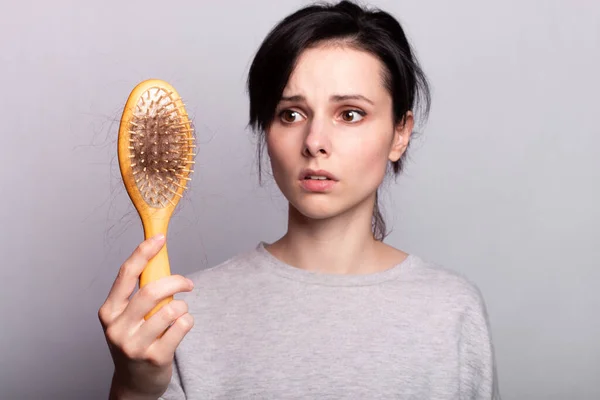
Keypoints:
pixel 118 391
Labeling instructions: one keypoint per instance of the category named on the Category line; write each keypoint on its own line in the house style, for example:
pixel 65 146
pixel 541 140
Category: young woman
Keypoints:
pixel 328 311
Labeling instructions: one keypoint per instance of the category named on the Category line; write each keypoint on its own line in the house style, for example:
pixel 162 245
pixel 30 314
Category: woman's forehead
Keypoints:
pixel 335 70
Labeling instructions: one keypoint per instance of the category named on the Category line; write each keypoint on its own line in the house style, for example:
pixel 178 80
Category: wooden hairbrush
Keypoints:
pixel 156 154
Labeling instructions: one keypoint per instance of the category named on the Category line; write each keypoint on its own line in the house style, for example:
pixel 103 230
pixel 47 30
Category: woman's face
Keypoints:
pixel 334 115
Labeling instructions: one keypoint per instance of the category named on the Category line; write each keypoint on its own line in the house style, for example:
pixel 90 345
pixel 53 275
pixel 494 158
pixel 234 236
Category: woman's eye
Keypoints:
pixel 289 116
pixel 352 115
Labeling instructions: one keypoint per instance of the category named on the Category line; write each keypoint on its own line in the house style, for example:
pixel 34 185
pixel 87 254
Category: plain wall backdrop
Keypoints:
pixel 502 185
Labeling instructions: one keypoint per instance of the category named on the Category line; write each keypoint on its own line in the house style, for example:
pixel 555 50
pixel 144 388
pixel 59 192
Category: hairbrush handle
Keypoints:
pixel 158 267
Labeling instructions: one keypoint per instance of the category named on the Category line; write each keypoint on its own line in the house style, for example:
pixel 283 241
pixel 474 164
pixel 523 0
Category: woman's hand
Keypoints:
pixel 143 358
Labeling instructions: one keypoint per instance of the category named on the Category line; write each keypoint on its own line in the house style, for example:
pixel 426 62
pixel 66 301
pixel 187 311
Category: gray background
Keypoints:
pixel 502 186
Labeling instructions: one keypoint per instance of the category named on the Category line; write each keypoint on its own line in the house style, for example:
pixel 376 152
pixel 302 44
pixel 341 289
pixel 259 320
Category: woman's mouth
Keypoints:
pixel 317 184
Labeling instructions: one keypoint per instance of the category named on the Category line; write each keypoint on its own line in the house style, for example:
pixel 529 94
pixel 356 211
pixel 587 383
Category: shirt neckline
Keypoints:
pixel 274 265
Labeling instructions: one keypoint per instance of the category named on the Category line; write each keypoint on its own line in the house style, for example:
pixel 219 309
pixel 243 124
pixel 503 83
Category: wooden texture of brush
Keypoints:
pixel 156 154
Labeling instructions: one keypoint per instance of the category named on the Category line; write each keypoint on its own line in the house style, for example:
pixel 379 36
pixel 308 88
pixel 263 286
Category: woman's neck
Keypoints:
pixel 339 245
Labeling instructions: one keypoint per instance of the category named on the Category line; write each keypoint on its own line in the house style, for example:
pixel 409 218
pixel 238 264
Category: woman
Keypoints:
pixel 328 310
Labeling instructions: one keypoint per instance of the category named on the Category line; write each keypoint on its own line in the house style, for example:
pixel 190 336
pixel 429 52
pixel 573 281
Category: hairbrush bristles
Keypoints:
pixel 160 146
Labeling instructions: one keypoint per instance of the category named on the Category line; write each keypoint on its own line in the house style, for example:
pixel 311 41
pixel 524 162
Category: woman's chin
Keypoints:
pixel 317 210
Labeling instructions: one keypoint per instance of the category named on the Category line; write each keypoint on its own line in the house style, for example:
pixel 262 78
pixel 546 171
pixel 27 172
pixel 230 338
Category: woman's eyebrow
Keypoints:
pixel 295 98
pixel 336 98
pixel 345 97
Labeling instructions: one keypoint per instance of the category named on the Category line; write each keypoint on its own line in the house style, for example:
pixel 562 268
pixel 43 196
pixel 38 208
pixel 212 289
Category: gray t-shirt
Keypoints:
pixel 267 330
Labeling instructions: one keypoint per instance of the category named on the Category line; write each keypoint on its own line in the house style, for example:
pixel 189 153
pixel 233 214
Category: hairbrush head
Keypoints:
pixel 156 145
pixel 156 153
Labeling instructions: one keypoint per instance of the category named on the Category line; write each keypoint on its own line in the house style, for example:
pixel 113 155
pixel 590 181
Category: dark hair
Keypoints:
pixel 373 31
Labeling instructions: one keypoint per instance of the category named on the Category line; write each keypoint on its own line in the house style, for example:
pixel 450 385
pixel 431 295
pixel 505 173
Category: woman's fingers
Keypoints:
pixel 126 281
pixel 150 295
pixel 159 322
pixel 162 350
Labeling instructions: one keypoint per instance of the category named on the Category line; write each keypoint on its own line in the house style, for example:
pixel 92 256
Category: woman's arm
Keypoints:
pixel 175 389
pixel 478 376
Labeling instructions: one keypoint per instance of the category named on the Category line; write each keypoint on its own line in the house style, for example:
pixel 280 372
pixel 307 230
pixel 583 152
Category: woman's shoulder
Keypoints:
pixel 232 267
pixel 441 282
pixel 426 276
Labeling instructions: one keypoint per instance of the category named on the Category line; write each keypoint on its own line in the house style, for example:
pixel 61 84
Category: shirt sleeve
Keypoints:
pixel 478 376
pixel 175 389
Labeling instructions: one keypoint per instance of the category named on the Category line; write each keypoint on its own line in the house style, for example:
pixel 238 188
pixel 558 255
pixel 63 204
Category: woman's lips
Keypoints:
pixel 317 185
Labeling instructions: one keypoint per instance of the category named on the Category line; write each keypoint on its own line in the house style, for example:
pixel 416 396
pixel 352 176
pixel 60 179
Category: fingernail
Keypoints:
pixel 190 281
pixel 158 237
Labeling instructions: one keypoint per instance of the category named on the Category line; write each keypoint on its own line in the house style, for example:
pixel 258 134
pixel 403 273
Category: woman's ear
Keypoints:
pixel 402 133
